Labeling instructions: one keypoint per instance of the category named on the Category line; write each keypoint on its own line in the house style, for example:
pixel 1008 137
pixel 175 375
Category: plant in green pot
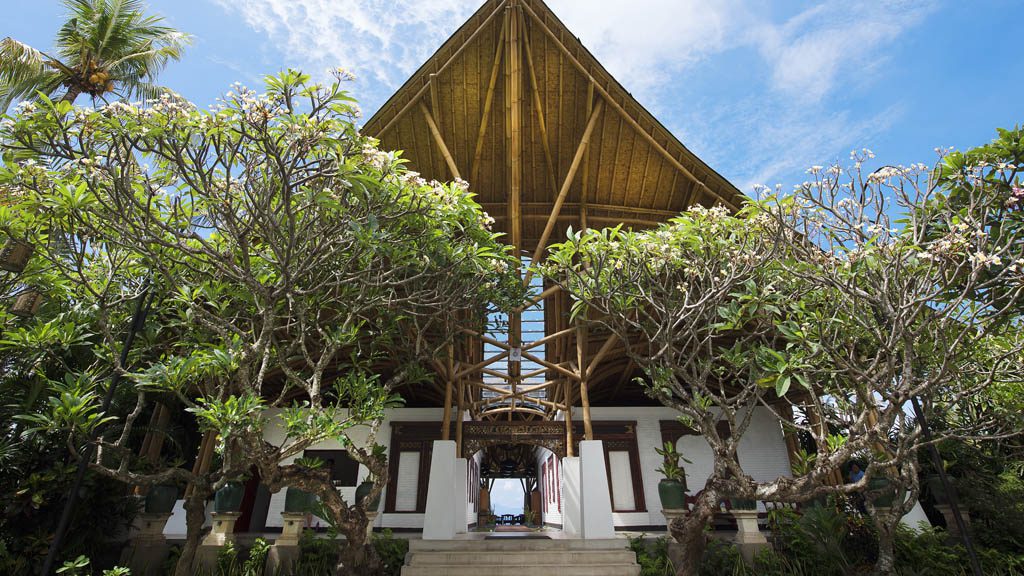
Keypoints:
pixel 363 490
pixel 229 498
pixel 299 501
pixel 672 487
pixel 161 499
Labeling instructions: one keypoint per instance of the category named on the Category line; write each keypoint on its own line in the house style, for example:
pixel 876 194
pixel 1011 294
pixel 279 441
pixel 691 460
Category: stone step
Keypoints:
pixel 515 544
pixel 518 556
pixel 565 557
pixel 520 570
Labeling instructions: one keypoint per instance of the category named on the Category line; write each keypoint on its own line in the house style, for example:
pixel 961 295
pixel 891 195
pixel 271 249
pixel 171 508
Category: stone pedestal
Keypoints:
pixel 749 538
pixel 223 531
pixel 372 516
pixel 671 514
pixel 223 528
pixel 285 551
pixel 951 527
pixel 148 548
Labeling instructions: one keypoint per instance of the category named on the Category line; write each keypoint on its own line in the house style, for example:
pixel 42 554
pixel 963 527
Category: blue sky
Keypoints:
pixel 759 89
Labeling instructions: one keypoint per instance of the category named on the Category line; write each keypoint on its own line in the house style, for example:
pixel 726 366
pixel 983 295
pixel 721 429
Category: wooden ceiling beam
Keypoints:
pixel 566 185
pixel 439 140
pixel 419 95
pixel 485 118
pixel 605 348
pixel 538 105
pixel 618 108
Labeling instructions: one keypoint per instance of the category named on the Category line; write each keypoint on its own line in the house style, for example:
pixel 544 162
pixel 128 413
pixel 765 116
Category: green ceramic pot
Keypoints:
pixel 161 499
pixel 884 491
pixel 229 498
pixel 933 483
pixel 743 504
pixel 673 494
pixel 364 490
pixel 296 500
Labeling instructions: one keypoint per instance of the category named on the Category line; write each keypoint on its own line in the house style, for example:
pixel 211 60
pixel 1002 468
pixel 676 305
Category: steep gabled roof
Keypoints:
pixel 507 101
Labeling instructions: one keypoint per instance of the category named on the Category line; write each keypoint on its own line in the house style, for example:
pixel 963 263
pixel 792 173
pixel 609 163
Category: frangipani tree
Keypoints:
pixel 813 302
pixel 302 269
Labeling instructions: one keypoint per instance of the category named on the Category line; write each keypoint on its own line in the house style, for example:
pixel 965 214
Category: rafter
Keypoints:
pixel 618 108
pixel 439 140
pixel 412 102
pixel 566 185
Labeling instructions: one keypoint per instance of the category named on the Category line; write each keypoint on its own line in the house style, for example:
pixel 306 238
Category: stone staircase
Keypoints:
pixel 518 556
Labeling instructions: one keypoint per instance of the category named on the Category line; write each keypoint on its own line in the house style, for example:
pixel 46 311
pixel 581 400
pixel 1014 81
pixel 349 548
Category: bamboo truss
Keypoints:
pixel 548 139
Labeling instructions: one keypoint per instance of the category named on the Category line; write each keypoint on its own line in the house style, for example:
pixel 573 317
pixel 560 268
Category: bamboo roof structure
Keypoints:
pixel 514 104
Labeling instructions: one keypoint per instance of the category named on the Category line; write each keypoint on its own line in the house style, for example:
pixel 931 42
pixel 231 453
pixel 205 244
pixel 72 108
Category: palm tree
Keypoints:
pixel 106 46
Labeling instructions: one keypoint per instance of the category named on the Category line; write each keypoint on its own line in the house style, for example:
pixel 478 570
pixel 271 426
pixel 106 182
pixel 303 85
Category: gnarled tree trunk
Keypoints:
pixel 195 517
pixel 689 532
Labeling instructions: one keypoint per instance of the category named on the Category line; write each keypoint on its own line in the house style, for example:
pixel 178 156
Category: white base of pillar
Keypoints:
pixel 461 496
pixel 292 524
pixel 595 499
pixel 571 496
pixel 439 519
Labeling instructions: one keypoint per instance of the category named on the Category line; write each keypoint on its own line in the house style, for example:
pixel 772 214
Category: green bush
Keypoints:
pixel 391 552
pixel 652 556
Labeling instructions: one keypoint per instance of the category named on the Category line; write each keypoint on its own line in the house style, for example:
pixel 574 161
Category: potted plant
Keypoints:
pixel 229 498
pixel 300 501
pixel 161 499
pixel 743 503
pixel 672 488
pixel 363 490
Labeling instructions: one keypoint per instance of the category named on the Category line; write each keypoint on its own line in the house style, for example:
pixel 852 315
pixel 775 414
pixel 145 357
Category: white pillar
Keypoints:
pixel 571 495
pixel 595 499
pixel 439 520
pixel 461 496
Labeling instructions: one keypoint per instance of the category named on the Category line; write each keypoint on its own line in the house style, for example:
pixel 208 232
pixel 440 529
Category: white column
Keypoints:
pixel 439 520
pixel 595 501
pixel 461 496
pixel 571 495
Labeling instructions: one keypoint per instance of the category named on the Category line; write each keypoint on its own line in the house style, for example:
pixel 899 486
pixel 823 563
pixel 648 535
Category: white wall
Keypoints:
pixel 358 435
pixel 762 452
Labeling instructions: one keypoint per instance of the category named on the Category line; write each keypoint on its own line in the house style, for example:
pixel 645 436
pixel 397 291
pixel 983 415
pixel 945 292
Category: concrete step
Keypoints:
pixel 524 557
pixel 516 544
pixel 518 556
pixel 520 570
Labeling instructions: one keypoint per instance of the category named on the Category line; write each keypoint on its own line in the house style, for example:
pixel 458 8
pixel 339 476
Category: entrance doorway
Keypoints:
pixel 517 487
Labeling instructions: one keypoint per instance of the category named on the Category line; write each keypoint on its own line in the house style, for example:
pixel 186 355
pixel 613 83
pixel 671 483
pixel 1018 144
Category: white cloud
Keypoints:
pixel 643 43
pixel 809 52
pixel 790 113
pixel 382 41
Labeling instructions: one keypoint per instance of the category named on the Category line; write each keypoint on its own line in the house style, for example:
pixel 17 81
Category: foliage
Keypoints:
pixel 670 467
pixel 820 306
pixel 391 552
pixel 652 556
pixel 105 47
pixel 301 274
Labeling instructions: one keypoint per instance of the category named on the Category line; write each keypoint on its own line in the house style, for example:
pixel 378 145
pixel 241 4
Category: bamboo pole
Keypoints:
pixel 446 423
pixel 566 185
pixel 439 140
pixel 618 108
pixel 483 26
pixel 488 102
pixel 581 361
pixel 568 418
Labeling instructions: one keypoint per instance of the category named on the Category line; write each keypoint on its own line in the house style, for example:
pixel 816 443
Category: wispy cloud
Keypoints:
pixel 382 41
pixel 790 114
